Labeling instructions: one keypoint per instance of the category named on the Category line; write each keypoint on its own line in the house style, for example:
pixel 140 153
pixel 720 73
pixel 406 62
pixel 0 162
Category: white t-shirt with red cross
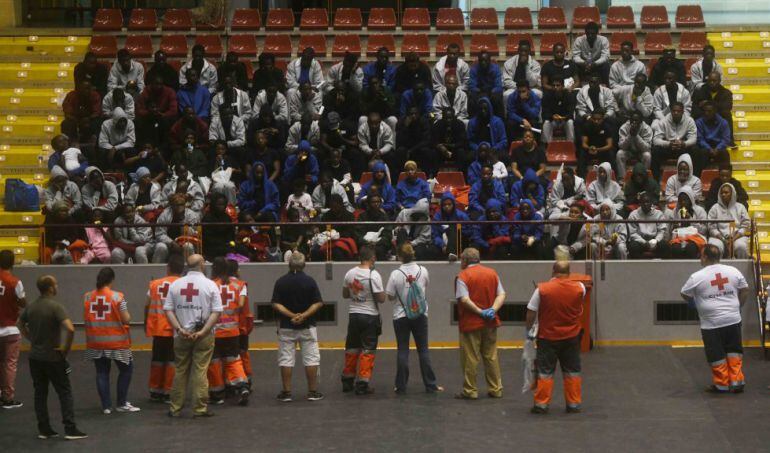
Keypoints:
pixel 361 283
pixel 715 292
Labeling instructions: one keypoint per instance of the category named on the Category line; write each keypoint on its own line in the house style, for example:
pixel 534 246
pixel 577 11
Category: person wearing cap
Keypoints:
pixel 144 193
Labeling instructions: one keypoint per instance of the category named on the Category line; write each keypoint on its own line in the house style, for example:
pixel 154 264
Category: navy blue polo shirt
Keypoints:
pixel 296 291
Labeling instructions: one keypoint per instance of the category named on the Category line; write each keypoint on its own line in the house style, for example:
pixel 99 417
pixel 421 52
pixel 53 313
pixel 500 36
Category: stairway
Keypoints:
pixel 36 72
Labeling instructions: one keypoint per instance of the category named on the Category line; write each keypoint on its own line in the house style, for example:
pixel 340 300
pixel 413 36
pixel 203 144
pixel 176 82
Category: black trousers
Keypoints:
pixel 363 332
pixel 163 349
pixel 721 341
pixel 54 373
pixel 636 250
pixel 566 352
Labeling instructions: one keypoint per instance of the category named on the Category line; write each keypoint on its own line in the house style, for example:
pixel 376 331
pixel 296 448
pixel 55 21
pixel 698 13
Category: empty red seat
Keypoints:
pixel 140 46
pixel 547 41
pixel 551 17
pixel 450 178
pixel 316 42
pixel 415 42
pixel 484 19
pixel 559 152
pixel 176 64
pixel 314 19
pixel 450 19
pixel 348 19
pixel 655 17
pixel 143 19
pixel 484 42
pixel 585 14
pixel 280 19
pixel 381 19
pixel 617 38
pixel 377 41
pixel 691 42
pixel 243 45
pixel 108 19
pixel 279 45
pixel 246 19
pixel 104 46
pixel 220 25
pixel 655 42
pixel 517 18
pixel 513 40
pixel 212 44
pixel 707 176
pixel 689 16
pixel 620 17
pixel 177 20
pixel 346 43
pixel 445 39
pixel 174 45
pixel 688 65
pixel 415 19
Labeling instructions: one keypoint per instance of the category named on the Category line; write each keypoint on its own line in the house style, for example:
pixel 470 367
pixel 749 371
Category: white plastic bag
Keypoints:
pixel 528 356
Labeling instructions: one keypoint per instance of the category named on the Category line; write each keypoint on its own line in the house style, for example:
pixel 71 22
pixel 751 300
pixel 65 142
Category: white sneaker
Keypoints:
pixel 106 412
pixel 127 408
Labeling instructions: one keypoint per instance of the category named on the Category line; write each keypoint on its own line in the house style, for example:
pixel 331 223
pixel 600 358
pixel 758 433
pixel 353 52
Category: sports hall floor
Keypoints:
pixel 635 399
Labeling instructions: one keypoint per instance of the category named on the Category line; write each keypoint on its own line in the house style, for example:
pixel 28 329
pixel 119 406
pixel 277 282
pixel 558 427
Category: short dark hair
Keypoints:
pixel 175 263
pixel 198 47
pixel 219 267
pixel 45 283
pixel 366 253
pixel 592 26
pixel 711 253
pixel 708 103
pixel 298 183
pixel 522 83
pixel 524 42
pixel 232 268
pixel 676 104
pixel 726 166
pixel 6 259
pixel 336 198
pixel 105 276
pixel 123 53
pixel 627 43
pixel 598 111
pixel 453 45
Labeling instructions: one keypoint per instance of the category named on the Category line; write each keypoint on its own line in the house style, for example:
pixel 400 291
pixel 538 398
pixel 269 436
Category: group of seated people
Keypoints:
pixel 207 145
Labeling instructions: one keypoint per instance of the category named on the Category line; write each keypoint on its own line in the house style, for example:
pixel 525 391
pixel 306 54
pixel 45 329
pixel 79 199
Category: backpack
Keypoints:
pixel 415 304
pixel 20 196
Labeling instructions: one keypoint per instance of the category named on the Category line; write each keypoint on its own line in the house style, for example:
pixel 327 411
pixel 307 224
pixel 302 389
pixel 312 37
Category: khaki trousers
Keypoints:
pixel 476 346
pixel 192 362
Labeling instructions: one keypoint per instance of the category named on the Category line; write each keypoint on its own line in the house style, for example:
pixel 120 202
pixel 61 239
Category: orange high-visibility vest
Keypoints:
pixel 157 324
pixel 227 325
pixel 245 316
pixel 104 328
pixel 561 305
pixel 481 282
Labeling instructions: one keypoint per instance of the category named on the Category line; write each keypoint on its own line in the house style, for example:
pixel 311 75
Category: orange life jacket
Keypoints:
pixel 481 282
pixel 228 323
pixel 561 305
pixel 157 324
pixel 245 316
pixel 104 328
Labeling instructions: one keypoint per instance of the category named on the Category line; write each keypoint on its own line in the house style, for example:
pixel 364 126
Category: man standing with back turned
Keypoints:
pixel 557 306
pixel 479 296
pixel 718 292
pixel 12 300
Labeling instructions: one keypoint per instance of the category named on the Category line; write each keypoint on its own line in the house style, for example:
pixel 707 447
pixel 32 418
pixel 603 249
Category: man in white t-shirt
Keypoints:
pixel 718 292
pixel 363 286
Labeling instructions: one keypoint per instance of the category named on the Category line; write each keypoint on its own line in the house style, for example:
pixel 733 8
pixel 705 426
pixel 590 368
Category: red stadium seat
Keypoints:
pixel 249 69
pixel 381 19
pixel 177 20
pixel 707 176
pixel 692 42
pixel 657 41
pixel 444 39
pixel 212 44
pixel 376 41
pixel 689 16
pixel 316 42
pixel 209 26
pixel 243 45
pixel 547 41
pixel 279 45
pixel 415 42
pixel 176 64
pixel 450 178
pixel 348 19
pixel 688 64
pixel 415 19
pixel 617 38
pixel 484 19
pixel 450 19
pixel 365 177
pixel 655 17
pixel 246 19
pixel 174 45
pixel 280 19
pixel 664 178
pixel 585 14
pixel 420 175
pixel 104 46
pixel 512 43
pixel 143 19
pixel 140 46
pixel 282 65
pixel 620 17
pixel 559 152
pixel 108 20
pixel 314 19
pixel 346 43
pixel 517 18
pixel 484 42
pixel 551 17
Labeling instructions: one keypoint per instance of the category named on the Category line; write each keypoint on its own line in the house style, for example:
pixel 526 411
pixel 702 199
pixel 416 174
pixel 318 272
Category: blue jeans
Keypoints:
pixel 419 329
pixel 103 381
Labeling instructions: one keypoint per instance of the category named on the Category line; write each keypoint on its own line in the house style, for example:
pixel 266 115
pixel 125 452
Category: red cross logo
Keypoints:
pixel 163 289
pixel 2 289
pixel 100 308
pixel 719 281
pixel 227 295
pixel 189 292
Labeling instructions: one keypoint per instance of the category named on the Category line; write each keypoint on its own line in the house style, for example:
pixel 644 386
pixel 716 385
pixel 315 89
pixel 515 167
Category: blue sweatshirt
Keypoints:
pixel 486 232
pixel 408 193
pixel 498 192
pixel 519 193
pixel 713 136
pixel 293 169
pixel 489 81
pixel 198 98
pixel 519 110
pixel 499 140
pixel 438 230
pixel 407 100
pixel 388 76
pixel 530 229
pixel 246 195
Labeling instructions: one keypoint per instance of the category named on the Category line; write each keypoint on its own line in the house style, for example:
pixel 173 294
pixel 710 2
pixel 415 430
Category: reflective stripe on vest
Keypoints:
pixel 105 329
pixel 157 324
pixel 227 325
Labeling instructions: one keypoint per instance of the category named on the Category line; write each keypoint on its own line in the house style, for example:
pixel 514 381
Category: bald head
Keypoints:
pixel 561 268
pixel 195 262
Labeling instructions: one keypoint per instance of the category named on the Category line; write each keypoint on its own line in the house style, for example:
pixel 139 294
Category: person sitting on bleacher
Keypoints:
pixel 484 189
pixel 161 68
pixel 60 188
pixel 527 238
pixel 451 64
pixel 567 189
pixel 558 107
pixel 571 235
pixel 529 155
pixel 192 156
pixel 276 101
pixel 713 135
pixel 635 98
pixel 593 96
pixel 229 128
pixel 591 53
pixel 378 98
pixel 236 69
pixel 413 142
pixel 482 158
pixel 701 69
pixel 338 138
pixel 193 94
pixel 167 238
pixel 145 194
pixel 521 67
pixel 608 239
pixel 376 141
pixel 156 111
pixel 307 129
pixel 726 176
pixel 207 72
pixel 382 69
pixel 410 72
pixel 348 72
pixel 640 181
pixel 126 73
pixel 485 81
pixel 233 97
pixel 733 235
pixel 305 69
pixel 258 195
pixel 419 236
pixel 133 238
pixel 327 187
pixel 559 68
pixel 82 110
pixel 529 189
pixel 377 236
pixel 59 240
pixel 647 239
pixel 302 164
pixel 445 236
pixel 623 72
pixel 486 127
pixel 522 110
pixel 90 69
pixel 276 133
pixel 494 241
pixel 419 96
pixel 671 91
pixel 673 136
pixel 634 143
pixel 117 98
pixel 183 182
pixel 344 101
pixel 272 158
pixel 714 91
pixel 604 188
pixel 117 135
pixel 304 99
pixel 412 188
pixel 684 177
pixel 686 239
pixel 267 75
pixel 596 141
pixel 449 139
pixel 667 62
pixel 384 189
pixel 189 121
pixel 98 193
pixel 344 248
pixel 222 182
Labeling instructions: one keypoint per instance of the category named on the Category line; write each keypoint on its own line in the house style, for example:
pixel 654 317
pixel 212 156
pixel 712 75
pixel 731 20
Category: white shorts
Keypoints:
pixel 308 344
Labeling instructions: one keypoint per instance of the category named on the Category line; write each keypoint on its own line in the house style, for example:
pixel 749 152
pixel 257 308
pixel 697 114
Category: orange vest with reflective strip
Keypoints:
pixel 9 303
pixel 481 282
pixel 104 328
pixel 157 324
pixel 245 317
pixel 561 305
pixel 228 323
